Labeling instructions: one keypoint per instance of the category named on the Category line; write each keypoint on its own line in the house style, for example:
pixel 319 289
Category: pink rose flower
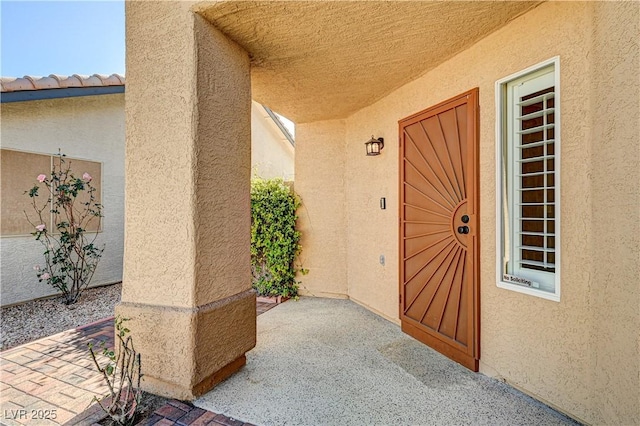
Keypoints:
pixel 41 227
pixel 86 176
pixel 41 178
pixel 45 276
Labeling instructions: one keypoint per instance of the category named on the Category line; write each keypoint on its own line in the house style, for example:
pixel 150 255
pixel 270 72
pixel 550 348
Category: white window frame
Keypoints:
pixel 502 118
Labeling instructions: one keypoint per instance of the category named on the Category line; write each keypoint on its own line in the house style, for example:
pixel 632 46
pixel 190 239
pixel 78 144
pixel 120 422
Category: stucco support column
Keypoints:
pixel 320 171
pixel 187 279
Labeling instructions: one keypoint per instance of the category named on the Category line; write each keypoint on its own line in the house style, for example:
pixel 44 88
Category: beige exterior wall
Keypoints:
pixel 582 354
pixel 187 278
pixel 272 156
pixel 90 128
pixel 371 231
pixel 320 165
pixel 614 285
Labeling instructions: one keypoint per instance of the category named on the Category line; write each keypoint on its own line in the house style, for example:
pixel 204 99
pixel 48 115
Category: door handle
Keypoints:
pixel 463 229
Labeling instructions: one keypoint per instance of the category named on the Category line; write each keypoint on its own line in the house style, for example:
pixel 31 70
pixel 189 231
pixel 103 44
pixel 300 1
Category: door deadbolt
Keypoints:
pixel 463 229
pixel 465 219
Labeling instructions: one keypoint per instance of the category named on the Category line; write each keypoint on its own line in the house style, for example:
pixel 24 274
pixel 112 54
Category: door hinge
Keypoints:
pixel 400 299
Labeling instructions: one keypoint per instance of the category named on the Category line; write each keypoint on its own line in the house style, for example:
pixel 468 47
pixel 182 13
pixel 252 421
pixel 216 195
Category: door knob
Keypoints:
pixel 465 219
pixel 463 229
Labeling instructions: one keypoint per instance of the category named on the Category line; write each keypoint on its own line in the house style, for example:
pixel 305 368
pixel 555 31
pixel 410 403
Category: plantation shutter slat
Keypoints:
pixel 535 173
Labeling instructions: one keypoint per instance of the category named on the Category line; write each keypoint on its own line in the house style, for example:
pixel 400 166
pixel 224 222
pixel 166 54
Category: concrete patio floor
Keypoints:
pixel 330 362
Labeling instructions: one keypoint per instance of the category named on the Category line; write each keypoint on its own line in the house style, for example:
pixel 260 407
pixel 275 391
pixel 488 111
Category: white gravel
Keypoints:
pixel 40 318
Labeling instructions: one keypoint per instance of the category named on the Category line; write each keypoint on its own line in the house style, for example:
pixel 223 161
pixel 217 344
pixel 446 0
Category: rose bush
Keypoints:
pixel 71 255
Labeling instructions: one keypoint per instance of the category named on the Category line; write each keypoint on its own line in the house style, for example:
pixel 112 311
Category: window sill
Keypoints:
pixel 530 291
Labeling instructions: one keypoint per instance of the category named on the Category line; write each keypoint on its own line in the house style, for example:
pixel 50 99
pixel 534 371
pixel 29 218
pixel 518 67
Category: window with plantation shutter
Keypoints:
pixel 528 180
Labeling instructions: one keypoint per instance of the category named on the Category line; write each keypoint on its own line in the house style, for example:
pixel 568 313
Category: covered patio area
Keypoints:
pixel 328 361
pixel 427 235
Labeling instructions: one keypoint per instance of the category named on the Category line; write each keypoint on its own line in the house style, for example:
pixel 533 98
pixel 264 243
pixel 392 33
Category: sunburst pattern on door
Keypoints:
pixel 438 219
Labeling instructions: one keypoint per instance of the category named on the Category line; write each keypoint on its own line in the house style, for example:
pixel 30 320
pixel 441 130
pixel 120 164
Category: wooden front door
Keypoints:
pixel 439 284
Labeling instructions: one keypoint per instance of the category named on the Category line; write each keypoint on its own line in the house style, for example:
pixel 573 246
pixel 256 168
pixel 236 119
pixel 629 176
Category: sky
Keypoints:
pixel 39 38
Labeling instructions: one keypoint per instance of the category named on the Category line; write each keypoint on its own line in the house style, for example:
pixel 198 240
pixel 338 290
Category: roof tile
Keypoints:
pixel 54 81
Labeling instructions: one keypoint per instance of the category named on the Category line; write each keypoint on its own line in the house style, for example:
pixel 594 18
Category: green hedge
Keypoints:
pixel 274 238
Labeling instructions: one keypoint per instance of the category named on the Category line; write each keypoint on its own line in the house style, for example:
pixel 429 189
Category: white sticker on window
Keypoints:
pixel 519 280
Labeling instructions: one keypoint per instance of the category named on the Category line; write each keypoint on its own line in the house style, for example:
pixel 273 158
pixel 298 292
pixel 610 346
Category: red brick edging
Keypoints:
pixel 177 413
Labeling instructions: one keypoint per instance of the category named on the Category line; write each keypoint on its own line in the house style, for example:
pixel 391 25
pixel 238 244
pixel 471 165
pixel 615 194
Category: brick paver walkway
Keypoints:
pixel 181 414
pixel 52 380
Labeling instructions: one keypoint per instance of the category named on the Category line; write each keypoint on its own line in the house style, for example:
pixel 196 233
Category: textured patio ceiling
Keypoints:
pixel 319 60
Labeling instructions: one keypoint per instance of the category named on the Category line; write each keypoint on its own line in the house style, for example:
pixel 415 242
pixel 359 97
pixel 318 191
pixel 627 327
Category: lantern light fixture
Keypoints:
pixel 374 146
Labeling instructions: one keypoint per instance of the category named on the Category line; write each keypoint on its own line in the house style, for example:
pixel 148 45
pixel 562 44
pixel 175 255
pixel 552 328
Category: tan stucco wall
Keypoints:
pixel 371 231
pixel 187 260
pixel 272 155
pixel 167 167
pixel 614 293
pixel 90 128
pixel 320 169
pixel 581 354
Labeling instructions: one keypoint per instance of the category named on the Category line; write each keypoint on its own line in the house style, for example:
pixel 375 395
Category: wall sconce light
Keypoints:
pixel 374 146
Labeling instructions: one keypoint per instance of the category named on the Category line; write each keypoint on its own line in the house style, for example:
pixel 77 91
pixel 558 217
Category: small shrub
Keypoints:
pixel 274 238
pixel 122 374
pixel 70 254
